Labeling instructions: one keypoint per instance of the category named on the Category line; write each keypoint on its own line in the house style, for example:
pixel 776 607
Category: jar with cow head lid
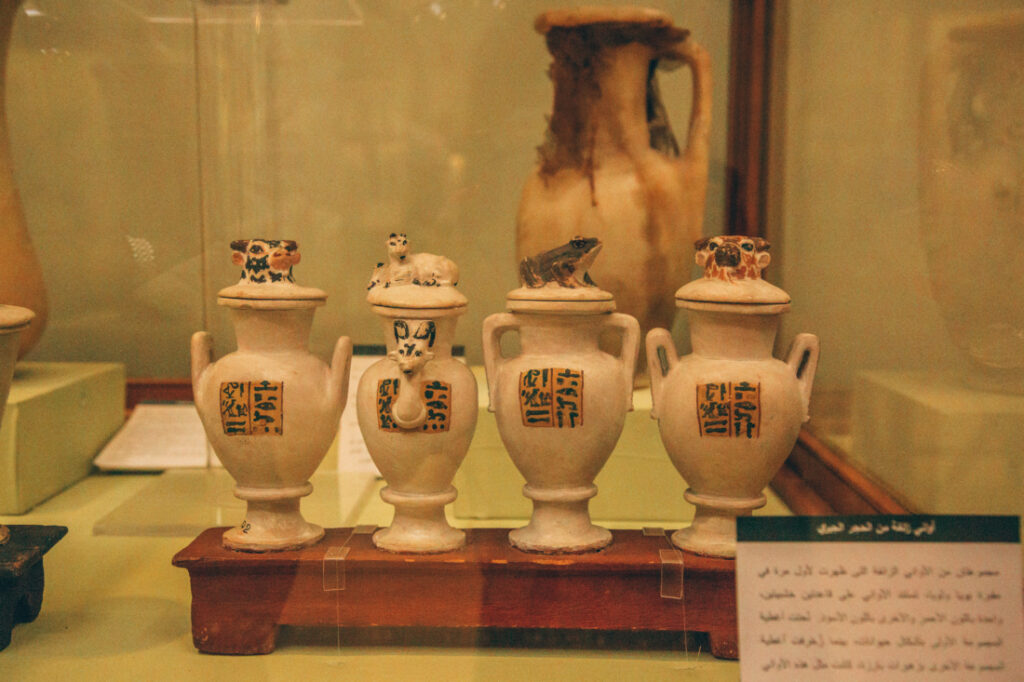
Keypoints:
pixel 729 412
pixel 561 402
pixel 417 407
pixel 271 408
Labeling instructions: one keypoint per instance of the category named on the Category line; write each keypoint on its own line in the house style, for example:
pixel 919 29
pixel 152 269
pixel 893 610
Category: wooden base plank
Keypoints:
pixel 240 599
pixel 21 575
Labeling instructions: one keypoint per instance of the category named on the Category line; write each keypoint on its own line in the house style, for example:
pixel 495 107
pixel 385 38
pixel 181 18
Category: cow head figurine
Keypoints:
pixel 265 260
pixel 415 342
pixel 732 257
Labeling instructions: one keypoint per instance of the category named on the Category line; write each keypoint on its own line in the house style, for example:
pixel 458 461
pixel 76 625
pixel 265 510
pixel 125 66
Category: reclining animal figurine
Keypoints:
pixel 421 269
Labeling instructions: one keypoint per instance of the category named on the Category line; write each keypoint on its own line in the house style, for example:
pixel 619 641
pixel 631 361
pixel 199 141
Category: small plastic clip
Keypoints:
pixel 653 531
pixel 334 568
pixel 671 573
pixel 365 529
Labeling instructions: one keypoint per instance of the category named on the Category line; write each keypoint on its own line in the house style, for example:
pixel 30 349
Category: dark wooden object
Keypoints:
pixel 818 480
pixel 21 575
pixel 750 40
pixel 239 599
pixel 157 390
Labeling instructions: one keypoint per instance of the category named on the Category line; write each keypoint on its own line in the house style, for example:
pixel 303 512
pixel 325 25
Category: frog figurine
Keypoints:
pixel 562 264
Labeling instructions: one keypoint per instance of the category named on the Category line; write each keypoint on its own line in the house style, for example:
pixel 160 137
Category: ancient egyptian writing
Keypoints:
pixel 437 397
pixel 551 397
pixel 729 410
pixel 252 408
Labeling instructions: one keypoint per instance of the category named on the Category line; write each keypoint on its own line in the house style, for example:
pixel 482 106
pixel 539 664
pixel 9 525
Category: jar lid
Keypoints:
pixel 554 298
pixel 732 277
pixel 267 281
pixel 13 318
pixel 414 281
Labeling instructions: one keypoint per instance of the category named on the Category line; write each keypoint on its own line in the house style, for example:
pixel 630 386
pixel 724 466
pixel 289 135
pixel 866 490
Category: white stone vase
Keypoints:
pixel 13 321
pixel 271 408
pixel 729 413
pixel 972 190
pixel 418 406
pixel 560 405
pixel 610 166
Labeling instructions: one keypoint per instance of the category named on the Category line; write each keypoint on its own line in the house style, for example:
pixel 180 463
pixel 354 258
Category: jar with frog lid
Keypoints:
pixel 561 402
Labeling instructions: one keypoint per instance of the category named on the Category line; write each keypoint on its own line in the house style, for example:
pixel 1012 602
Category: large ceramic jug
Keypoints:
pixel 418 406
pixel 562 401
pixel 13 321
pixel 729 413
pixel 271 408
pixel 610 166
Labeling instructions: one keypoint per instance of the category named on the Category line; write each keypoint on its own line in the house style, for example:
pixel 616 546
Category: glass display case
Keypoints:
pixel 876 146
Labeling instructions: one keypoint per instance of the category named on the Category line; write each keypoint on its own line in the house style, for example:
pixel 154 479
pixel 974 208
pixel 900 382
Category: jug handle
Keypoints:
pixel 698 135
pixel 630 329
pixel 661 358
pixel 202 357
pixel 341 366
pixel 803 360
pixel 495 327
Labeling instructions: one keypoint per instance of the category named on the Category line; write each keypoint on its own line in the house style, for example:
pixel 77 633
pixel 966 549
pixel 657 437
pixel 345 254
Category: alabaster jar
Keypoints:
pixel 561 402
pixel 13 320
pixel 271 408
pixel 417 407
pixel 729 413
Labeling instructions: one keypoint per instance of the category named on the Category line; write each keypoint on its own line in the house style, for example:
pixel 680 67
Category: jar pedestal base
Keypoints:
pixel 560 523
pixel 419 525
pixel 273 522
pixel 713 531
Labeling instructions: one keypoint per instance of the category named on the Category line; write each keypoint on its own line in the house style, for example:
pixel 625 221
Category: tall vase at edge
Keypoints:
pixel 972 189
pixel 729 413
pixel 21 277
pixel 271 408
pixel 13 321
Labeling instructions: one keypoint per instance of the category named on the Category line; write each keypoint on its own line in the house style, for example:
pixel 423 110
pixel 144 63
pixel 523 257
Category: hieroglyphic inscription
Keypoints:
pixel 252 408
pixel 551 397
pixel 729 410
pixel 437 397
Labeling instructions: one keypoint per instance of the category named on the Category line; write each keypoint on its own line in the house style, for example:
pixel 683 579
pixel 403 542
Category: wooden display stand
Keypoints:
pixel 21 575
pixel 640 583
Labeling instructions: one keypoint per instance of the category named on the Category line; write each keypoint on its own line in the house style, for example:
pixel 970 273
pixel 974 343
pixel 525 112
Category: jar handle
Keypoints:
pixel 630 329
pixel 201 348
pixel 803 359
pixel 698 135
pixel 341 365
pixel 495 327
pixel 661 358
